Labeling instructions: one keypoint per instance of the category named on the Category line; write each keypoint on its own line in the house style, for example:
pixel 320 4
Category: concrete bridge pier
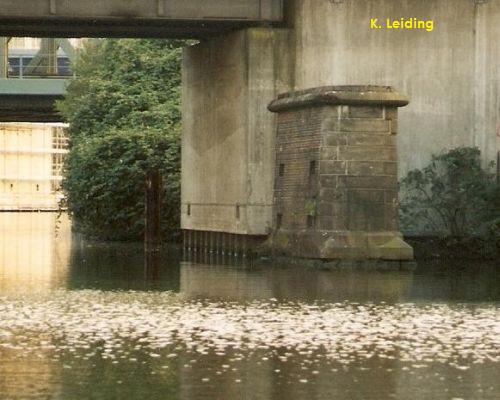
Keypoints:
pixel 314 178
pixel 228 138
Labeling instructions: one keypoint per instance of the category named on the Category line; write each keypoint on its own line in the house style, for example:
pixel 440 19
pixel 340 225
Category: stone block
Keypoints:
pixel 364 125
pixel 370 182
pixel 365 112
pixel 365 196
pixel 357 224
pixel 365 168
pixel 390 168
pixel 329 194
pixel 340 209
pixel 335 139
pixel 329 153
pixel 391 113
pixel 332 168
pixel 367 153
pixel 394 249
pixel 390 140
pixel 325 223
pixel 340 222
pixel 329 181
pixel 325 208
pixel 376 224
pixel 367 139
pixel 391 196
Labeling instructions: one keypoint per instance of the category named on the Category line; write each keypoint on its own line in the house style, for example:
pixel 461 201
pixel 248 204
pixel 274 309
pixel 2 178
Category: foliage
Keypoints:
pixel 311 208
pixel 123 110
pixel 453 196
pixel 105 180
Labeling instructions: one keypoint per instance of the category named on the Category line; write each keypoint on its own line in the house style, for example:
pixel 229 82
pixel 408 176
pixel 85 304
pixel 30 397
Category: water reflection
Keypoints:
pixel 34 250
pixel 28 377
pixel 219 282
pixel 464 282
pixel 93 320
pixel 122 266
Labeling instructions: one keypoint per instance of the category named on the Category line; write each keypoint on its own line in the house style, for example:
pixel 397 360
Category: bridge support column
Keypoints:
pixel 4 57
pixel 336 190
pixel 228 134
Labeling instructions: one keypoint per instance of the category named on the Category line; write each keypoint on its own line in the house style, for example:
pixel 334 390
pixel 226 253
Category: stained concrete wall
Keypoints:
pixel 451 75
pixel 228 140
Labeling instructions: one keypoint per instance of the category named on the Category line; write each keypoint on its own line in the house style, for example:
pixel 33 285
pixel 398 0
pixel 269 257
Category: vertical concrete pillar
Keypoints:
pixel 336 174
pixel 4 57
pixel 228 133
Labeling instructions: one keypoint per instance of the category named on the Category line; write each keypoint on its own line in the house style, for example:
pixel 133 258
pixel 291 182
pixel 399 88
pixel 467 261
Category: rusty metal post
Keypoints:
pixel 152 236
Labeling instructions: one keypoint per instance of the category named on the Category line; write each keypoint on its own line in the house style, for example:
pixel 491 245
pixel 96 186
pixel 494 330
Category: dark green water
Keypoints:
pixel 96 321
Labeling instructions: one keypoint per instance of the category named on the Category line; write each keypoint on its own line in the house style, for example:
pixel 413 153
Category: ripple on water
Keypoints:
pixel 343 332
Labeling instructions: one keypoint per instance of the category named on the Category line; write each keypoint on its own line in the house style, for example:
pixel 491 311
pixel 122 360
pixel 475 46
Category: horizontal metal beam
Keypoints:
pixel 31 100
pixel 33 87
pixel 134 18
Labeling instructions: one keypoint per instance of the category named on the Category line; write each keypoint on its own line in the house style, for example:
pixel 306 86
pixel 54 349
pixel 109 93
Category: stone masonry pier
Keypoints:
pixel 336 187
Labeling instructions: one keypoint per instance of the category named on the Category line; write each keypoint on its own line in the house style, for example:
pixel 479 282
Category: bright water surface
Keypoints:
pixel 94 321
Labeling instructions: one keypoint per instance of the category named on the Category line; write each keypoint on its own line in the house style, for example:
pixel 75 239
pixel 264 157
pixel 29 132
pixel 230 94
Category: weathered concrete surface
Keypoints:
pixel 228 133
pixel 451 75
pixel 134 18
pixel 336 174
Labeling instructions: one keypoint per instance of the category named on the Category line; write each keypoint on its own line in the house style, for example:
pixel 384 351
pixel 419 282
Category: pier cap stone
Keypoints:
pixel 357 95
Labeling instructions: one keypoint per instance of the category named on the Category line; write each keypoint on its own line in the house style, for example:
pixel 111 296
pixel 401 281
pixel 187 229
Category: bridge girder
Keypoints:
pixel 31 100
pixel 197 19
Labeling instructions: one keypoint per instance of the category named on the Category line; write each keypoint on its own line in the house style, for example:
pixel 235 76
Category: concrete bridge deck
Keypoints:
pixel 197 19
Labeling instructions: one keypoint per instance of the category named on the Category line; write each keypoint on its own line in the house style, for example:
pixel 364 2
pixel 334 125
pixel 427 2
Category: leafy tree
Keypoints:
pixel 123 110
pixel 453 196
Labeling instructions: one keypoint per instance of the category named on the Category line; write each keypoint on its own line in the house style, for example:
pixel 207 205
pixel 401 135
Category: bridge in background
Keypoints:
pixel 30 100
pixel 195 19
pixel 31 81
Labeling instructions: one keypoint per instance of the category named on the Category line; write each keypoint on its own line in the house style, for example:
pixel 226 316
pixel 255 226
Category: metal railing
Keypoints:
pixel 21 68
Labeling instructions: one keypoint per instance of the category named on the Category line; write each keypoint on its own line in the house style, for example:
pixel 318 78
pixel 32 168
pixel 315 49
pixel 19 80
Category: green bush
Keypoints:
pixel 105 182
pixel 453 196
pixel 123 110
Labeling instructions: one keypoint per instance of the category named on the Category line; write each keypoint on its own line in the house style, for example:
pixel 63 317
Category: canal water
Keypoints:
pixel 83 320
